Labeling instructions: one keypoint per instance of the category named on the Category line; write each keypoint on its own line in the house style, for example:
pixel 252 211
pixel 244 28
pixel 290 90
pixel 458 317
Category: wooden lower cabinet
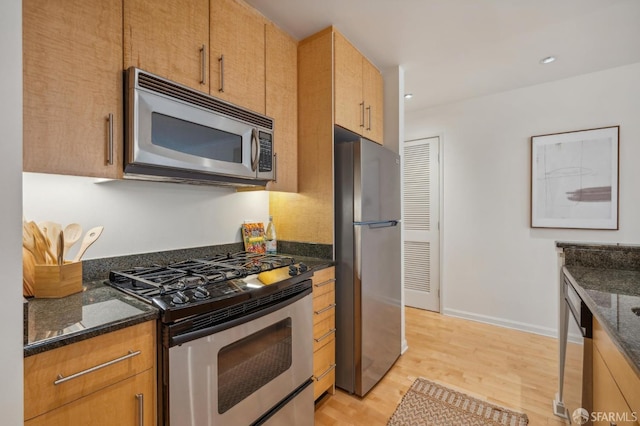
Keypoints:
pixel 109 379
pixel 616 386
pixel 324 341
pixel 129 402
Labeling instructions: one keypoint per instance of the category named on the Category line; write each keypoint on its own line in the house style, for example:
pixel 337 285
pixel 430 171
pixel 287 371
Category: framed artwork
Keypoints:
pixel 574 179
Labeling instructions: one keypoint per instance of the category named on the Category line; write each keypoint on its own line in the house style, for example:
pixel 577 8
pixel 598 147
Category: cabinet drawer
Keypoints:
pixel 86 367
pixel 324 382
pixel 323 332
pixel 324 281
pixel 323 303
pixel 324 364
pixel 623 374
pixel 118 404
pixel 324 358
pixel 324 313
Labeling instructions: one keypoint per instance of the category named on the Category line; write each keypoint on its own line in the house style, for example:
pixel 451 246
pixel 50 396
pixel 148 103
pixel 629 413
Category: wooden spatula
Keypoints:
pixel 90 237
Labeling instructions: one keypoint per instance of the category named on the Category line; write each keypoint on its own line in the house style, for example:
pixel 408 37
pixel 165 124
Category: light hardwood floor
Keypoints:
pixel 511 368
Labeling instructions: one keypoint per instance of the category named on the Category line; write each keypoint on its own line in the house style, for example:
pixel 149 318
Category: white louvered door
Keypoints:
pixel 421 234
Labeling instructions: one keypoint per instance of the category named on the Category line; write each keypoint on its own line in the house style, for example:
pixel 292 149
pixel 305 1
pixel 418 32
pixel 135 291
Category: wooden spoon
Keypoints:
pixel 28 272
pixel 72 233
pixel 32 243
pixel 90 238
pixel 51 230
pixel 41 245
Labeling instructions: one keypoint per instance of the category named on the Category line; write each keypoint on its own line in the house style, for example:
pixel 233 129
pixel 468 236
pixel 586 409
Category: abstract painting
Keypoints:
pixel 574 179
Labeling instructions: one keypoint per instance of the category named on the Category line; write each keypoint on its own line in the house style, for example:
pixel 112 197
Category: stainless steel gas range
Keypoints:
pixel 235 345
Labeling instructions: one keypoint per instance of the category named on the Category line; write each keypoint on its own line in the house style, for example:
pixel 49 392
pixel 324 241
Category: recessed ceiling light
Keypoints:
pixel 408 96
pixel 547 60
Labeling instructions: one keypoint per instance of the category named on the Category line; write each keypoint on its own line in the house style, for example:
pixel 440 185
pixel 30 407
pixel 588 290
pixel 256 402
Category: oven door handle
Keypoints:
pixel 193 335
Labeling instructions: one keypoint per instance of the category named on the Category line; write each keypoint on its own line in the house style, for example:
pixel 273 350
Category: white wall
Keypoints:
pixel 495 267
pixel 142 217
pixel 11 405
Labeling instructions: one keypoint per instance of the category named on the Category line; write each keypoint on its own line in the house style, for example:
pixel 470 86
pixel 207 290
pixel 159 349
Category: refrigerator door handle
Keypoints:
pixel 378 224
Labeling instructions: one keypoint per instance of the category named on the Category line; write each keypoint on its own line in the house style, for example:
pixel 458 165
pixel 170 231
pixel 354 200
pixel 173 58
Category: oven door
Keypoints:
pixel 237 375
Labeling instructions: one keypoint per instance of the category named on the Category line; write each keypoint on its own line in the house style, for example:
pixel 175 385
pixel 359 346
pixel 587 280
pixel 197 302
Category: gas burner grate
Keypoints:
pixel 145 278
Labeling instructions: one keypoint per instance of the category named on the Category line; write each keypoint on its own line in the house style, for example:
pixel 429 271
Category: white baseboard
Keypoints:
pixel 501 322
pixel 404 346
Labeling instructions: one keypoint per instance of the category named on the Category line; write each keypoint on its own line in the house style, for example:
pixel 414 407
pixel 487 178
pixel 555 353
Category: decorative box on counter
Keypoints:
pixel 53 281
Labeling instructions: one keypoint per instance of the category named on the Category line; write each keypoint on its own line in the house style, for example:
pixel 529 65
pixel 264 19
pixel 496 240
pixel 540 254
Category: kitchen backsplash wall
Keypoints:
pixel 142 217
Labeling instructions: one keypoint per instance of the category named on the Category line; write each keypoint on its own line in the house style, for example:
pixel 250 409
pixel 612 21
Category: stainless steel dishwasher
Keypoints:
pixel 574 399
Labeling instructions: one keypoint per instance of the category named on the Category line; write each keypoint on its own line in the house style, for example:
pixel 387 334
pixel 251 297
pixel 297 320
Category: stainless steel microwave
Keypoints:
pixel 174 133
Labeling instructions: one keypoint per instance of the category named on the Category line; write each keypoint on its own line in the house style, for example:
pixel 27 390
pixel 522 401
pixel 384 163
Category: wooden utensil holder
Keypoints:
pixel 54 281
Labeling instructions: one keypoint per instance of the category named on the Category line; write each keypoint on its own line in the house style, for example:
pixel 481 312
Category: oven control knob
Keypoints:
pixel 179 298
pixel 201 293
pixel 293 270
pixel 303 267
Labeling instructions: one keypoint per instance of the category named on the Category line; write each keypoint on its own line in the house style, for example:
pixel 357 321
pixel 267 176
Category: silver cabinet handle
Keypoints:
pixel 331 306
pixel 110 141
pixel 362 117
pixel 322 284
pixel 203 58
pixel 221 64
pixel 320 377
pixel 369 110
pixel 140 398
pixel 62 379
pixel 324 336
pixel 275 167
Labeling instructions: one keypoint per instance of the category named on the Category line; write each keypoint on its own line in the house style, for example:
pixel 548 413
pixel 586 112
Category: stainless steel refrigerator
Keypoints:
pixel 368 287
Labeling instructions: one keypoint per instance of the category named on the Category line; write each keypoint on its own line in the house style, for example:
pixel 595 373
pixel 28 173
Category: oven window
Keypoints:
pixel 195 139
pixel 252 362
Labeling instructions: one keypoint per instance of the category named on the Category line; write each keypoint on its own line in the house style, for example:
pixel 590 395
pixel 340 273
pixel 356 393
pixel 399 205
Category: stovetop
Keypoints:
pixel 198 286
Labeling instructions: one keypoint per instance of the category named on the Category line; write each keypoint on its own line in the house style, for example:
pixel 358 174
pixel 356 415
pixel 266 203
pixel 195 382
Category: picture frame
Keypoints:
pixel 575 179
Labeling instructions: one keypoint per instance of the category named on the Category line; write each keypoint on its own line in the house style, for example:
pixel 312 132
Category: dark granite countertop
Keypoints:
pixel 98 309
pixel 613 297
pixel 313 262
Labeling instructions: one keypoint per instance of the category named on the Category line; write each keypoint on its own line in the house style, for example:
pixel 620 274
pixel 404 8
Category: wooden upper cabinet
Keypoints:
pixel 238 54
pixel 349 104
pixel 358 91
pixel 169 38
pixel 72 71
pixel 372 89
pixel 282 105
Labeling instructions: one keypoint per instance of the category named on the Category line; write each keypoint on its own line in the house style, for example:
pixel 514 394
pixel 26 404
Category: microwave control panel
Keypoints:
pixel 266 152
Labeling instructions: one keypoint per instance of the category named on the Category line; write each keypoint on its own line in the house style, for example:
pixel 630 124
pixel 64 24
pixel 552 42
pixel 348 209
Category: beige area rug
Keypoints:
pixel 431 404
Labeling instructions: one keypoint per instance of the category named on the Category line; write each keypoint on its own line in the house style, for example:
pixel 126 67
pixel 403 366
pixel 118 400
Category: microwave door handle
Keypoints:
pixel 254 142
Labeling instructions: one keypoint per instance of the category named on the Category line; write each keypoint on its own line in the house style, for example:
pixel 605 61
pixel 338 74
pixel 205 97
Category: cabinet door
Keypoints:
pixel 282 105
pixel 72 58
pixel 373 94
pixel 237 54
pixel 607 397
pixel 119 404
pixel 166 38
pixel 349 105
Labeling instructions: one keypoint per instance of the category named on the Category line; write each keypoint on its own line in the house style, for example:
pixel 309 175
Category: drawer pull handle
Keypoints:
pixel 62 379
pixel 320 377
pixel 324 336
pixel 322 284
pixel 331 306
